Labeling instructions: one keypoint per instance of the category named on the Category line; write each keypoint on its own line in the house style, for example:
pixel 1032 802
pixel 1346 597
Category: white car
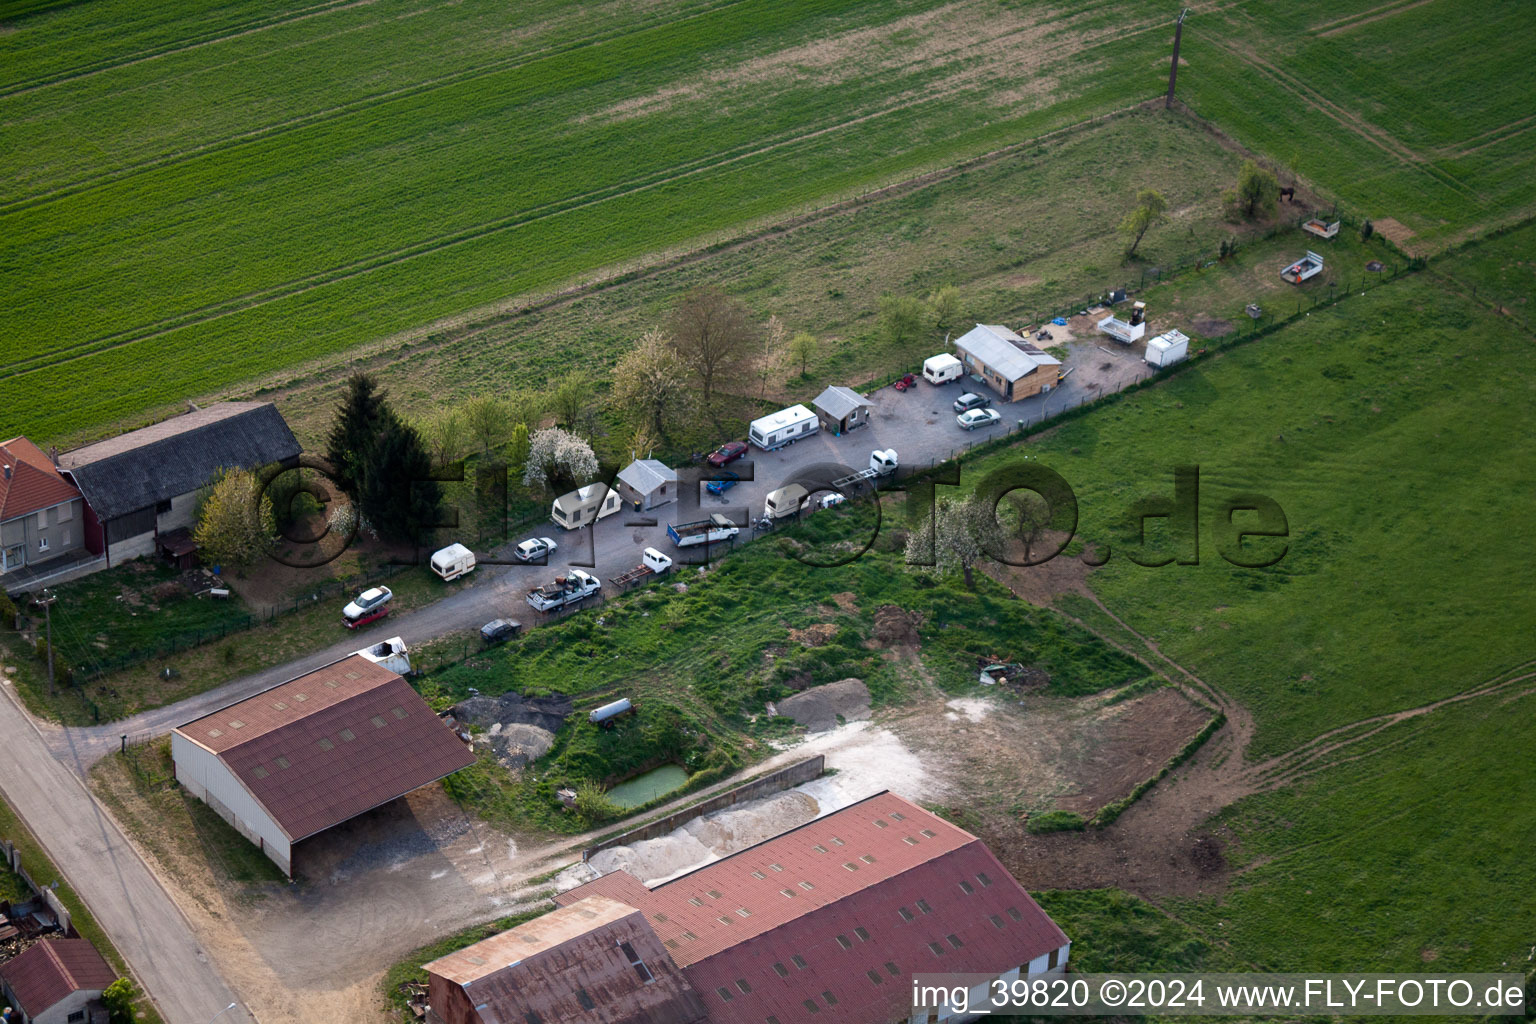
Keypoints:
pixel 978 418
pixel 367 606
pixel 830 500
pixel 536 548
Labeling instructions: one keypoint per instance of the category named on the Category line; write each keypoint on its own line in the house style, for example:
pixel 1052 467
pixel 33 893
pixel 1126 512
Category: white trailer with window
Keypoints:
pixel 453 561
pixel 942 368
pixel 786 426
pixel 584 505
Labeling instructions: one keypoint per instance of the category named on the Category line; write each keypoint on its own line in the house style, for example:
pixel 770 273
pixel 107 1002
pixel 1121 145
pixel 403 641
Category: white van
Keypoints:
pixel 584 505
pixel 453 561
pixel 942 368
pixel 786 426
pixel 786 501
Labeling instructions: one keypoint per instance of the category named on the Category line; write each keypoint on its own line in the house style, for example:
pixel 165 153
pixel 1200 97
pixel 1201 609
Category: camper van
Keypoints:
pixel 453 561
pixel 786 426
pixel 942 368
pixel 584 505
pixel 786 501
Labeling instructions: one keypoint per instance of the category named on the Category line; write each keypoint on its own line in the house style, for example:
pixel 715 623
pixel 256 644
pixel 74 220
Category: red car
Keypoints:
pixel 906 382
pixel 727 453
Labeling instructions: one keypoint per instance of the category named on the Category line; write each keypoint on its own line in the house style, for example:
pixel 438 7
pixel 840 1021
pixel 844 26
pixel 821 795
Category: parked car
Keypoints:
pixel 727 453
pixel 978 418
pixel 370 605
pixel 535 548
pixel 500 630
pixel 726 482
pixel 830 500
pixel 906 382
pixel 970 400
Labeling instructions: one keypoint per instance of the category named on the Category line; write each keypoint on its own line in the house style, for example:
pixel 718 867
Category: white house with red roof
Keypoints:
pixel 828 921
pixel 41 516
pixel 57 981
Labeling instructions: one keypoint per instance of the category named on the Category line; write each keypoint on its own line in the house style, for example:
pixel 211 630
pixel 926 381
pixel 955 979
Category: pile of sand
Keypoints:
pixel 818 708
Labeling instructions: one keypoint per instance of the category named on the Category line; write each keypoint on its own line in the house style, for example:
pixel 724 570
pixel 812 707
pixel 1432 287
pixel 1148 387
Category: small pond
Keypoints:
pixel 644 788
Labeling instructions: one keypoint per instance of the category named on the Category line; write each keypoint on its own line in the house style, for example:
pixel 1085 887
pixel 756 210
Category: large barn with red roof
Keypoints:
pixel 828 921
pixel 308 754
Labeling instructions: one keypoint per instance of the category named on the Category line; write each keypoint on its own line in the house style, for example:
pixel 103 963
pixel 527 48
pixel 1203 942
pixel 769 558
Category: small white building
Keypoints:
pixel 584 505
pixel 786 426
pixel 646 484
pixel 1167 349
pixel 308 754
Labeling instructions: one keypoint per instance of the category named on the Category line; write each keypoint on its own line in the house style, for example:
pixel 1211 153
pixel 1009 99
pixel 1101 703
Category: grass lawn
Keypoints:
pixel 40 867
pixel 128 691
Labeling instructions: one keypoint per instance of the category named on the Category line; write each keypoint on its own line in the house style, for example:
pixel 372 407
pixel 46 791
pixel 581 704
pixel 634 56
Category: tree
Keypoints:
pixel 714 336
pixel 359 419
pixel 118 998
pixel 773 336
pixel 397 495
pixel 517 448
pixel 444 433
pixel 570 397
pixel 945 305
pixel 1031 517
pixel 558 460
pixel 525 406
pixel 487 419
pixel 962 533
pixel 650 383
pixel 903 319
pixel 1257 190
pixel 802 349
pixel 1150 210
pixel 235 524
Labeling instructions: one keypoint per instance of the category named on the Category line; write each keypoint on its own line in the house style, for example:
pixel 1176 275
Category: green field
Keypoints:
pixel 224 222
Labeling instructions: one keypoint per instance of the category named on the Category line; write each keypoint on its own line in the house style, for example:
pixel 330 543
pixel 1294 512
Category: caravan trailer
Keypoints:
pixel 786 426
pixel 453 561
pixel 942 368
pixel 584 505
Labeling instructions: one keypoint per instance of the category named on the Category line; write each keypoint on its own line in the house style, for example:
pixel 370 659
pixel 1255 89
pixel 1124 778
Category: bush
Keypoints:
pixel 1056 821
pixel 592 803
pixel 7 611
pixel 118 998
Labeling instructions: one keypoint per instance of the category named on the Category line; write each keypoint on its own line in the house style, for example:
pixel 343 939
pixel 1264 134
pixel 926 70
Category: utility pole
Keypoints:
pixel 1173 70
pixel 48 599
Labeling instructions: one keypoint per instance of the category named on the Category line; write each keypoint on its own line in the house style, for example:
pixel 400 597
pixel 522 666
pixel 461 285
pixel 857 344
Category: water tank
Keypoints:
pixel 610 711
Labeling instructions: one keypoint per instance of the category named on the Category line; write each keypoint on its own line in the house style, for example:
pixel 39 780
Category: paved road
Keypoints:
pixel 107 873
pixel 919 424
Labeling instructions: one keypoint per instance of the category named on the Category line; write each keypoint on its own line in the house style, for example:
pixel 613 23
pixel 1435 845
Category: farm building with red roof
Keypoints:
pixel 828 921
pixel 308 754
pixel 58 981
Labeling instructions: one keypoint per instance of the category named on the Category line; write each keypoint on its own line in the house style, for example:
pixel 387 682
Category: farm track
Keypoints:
pixel 1353 21
pixel 1348 120
pixel 317 117
pixel 232 32
pixel 1493 137
pixel 656 179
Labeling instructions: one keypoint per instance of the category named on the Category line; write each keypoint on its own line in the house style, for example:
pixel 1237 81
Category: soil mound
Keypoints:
pixel 819 707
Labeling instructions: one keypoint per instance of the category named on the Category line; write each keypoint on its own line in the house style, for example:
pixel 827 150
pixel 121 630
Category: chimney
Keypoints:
pixel 53 453
pixel 7 471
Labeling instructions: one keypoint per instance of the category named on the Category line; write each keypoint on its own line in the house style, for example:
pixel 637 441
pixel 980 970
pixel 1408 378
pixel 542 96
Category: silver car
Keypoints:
pixel 978 418
pixel 536 549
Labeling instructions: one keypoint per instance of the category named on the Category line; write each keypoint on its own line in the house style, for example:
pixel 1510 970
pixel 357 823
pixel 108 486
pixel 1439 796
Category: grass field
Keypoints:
pixel 259 228
pixel 1404 110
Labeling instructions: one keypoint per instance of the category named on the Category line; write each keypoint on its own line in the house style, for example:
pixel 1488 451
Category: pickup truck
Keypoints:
pixel 572 588
pixel 652 563
pixel 713 530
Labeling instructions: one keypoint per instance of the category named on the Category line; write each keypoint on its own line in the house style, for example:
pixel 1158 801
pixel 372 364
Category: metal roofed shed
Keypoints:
pixel 866 890
pixel 774 431
pixel 1167 348
pixel 596 960
pixel 310 753
pixel 646 484
pixel 1013 366
pixel 840 409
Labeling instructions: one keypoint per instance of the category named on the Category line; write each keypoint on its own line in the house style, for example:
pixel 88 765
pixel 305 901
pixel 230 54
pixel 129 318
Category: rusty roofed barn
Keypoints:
pixel 826 922
pixel 305 755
